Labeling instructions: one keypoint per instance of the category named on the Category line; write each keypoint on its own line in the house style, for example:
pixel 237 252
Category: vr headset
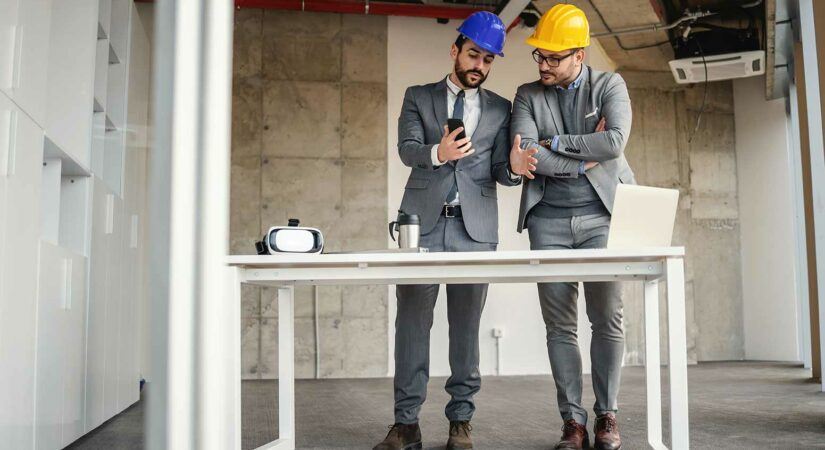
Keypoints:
pixel 291 239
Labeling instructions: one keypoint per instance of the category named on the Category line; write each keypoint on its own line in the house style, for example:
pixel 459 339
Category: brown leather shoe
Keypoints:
pixel 401 437
pixel 607 432
pixel 459 435
pixel 574 436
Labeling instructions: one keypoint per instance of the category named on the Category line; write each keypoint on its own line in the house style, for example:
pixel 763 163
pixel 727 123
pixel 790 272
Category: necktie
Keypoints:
pixel 458 106
pixel 458 113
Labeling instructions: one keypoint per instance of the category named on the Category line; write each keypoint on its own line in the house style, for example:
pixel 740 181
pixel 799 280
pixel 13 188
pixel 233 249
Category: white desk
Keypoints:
pixel 647 266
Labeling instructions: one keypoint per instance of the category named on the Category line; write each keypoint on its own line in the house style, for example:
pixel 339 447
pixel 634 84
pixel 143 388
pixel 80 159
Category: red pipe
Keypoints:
pixel 361 7
pixel 514 24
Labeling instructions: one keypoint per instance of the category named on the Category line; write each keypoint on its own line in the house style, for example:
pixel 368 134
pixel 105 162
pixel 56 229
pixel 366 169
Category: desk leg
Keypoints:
pixel 286 365
pixel 677 342
pixel 653 371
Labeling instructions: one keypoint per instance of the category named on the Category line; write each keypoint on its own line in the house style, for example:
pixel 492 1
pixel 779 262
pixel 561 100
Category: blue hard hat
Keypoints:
pixel 486 30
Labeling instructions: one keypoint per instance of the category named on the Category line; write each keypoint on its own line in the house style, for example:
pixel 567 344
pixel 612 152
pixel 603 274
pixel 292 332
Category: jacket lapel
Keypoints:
pixel 483 117
pixel 439 94
pixel 555 112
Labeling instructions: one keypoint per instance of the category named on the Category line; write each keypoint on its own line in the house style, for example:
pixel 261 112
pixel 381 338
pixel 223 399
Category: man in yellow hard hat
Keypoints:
pixel 578 119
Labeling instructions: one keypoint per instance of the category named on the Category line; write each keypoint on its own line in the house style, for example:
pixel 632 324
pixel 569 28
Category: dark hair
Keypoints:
pixel 459 41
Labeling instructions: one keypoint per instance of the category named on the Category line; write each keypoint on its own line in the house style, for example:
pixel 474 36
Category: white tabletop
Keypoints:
pixel 294 260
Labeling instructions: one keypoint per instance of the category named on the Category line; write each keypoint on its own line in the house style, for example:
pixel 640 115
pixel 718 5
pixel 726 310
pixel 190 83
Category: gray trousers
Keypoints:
pixel 412 332
pixel 558 308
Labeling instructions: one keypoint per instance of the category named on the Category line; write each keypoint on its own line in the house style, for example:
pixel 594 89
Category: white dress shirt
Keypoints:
pixel 472 114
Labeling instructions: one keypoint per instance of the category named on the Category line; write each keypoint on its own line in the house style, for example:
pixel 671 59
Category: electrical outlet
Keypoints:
pixel 498 332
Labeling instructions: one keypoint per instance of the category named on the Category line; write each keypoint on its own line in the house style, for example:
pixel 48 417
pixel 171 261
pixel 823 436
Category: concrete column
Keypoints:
pixel 813 48
pixel 191 402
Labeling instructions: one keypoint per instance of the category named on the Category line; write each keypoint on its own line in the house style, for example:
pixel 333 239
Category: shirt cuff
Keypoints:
pixel 581 168
pixel 554 143
pixel 513 177
pixel 434 156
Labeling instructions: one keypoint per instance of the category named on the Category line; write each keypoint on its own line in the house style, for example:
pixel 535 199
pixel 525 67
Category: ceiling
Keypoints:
pixel 642 51
pixel 648 51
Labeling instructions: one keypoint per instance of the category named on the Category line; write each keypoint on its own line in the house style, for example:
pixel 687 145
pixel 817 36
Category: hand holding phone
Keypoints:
pixel 455 144
pixel 454 124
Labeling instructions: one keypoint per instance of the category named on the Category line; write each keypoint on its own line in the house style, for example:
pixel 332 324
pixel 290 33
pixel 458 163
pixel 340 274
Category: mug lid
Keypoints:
pixel 408 219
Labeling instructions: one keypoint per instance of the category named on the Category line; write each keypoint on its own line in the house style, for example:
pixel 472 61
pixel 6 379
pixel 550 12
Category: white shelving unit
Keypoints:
pixel 21 147
pixel 104 17
pixel 71 71
pixel 61 316
pixel 101 71
pixel 72 198
pixel 25 43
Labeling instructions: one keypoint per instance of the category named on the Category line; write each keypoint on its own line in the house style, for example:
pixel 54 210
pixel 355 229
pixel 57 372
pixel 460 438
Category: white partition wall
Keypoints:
pixel 73 148
pixel 768 288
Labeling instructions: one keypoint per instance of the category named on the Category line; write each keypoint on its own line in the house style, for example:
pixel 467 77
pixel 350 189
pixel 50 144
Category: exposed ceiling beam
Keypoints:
pixel 511 11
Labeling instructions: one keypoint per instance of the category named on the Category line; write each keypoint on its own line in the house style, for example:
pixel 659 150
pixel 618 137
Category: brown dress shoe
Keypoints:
pixel 607 432
pixel 574 436
pixel 459 435
pixel 401 437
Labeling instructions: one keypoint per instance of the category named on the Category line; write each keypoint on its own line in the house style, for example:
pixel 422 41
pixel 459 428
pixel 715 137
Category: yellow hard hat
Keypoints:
pixel 561 28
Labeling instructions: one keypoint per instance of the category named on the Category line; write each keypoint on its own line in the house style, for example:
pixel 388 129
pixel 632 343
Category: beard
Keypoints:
pixel 464 77
pixel 551 78
pixel 548 78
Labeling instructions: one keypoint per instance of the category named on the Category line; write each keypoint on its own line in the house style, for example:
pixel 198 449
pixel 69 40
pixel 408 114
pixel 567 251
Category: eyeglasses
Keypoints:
pixel 551 61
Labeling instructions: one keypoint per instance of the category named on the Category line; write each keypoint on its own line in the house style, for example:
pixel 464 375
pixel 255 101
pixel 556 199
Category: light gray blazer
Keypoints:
pixel 420 126
pixel 537 116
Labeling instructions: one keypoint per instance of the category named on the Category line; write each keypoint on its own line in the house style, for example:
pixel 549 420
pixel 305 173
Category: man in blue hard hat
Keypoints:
pixel 452 188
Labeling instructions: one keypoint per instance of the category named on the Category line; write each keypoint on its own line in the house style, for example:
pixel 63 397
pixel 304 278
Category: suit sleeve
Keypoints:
pixel 411 147
pixel 501 155
pixel 523 123
pixel 608 144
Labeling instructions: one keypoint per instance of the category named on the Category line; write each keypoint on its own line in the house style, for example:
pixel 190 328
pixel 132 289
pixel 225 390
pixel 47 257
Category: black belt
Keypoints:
pixel 451 211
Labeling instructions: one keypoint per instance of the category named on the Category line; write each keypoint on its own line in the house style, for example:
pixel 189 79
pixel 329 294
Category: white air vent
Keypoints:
pixel 719 67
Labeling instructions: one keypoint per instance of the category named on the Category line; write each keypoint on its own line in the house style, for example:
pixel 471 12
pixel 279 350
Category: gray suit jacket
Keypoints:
pixel 420 126
pixel 537 116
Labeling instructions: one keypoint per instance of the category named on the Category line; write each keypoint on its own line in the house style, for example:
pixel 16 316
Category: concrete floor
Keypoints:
pixel 732 405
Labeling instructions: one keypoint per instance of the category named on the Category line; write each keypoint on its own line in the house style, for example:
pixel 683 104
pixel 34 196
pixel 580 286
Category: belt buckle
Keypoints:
pixel 449 211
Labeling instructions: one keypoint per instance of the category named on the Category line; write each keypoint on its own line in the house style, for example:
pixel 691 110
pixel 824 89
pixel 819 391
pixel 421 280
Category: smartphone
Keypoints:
pixel 453 124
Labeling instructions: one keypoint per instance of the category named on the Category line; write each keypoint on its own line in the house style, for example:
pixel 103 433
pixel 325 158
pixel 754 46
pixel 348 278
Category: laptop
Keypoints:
pixel 642 216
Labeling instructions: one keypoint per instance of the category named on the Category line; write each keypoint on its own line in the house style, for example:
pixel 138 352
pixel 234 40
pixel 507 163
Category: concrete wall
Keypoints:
pixel 769 263
pixel 352 97
pixel 707 224
pixel 309 141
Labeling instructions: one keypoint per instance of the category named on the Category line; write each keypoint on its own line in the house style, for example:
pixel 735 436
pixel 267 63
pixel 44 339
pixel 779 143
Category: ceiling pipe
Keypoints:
pixel 688 17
